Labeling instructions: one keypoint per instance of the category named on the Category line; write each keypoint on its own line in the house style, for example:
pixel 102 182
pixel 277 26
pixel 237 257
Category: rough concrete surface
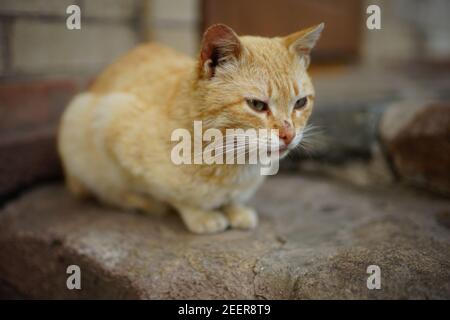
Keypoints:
pixel 316 239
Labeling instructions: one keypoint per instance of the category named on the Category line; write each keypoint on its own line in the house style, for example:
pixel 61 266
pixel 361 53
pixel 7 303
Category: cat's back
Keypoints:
pixel 150 71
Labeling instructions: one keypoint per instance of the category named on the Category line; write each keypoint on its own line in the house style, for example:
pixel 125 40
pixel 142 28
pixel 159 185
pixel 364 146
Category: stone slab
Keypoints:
pixel 315 240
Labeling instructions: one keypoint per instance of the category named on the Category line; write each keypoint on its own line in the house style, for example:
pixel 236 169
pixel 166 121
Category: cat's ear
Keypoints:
pixel 303 41
pixel 219 44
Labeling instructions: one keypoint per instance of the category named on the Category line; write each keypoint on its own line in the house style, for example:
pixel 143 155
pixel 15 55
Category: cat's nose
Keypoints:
pixel 286 132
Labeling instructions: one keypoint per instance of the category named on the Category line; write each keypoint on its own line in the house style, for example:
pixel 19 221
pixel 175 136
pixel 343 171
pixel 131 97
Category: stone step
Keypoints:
pixel 316 239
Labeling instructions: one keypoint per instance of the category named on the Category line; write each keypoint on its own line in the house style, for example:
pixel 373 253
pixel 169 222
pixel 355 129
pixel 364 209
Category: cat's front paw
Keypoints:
pixel 204 222
pixel 210 222
pixel 241 217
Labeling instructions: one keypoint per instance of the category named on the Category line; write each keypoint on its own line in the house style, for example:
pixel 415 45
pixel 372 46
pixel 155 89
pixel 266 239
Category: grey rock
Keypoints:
pixel 345 132
pixel 315 240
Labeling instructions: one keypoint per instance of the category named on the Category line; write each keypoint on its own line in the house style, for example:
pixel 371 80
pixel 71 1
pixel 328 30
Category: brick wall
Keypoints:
pixel 36 42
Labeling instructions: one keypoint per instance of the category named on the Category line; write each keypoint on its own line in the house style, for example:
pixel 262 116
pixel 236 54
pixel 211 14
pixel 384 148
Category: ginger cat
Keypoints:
pixel 115 139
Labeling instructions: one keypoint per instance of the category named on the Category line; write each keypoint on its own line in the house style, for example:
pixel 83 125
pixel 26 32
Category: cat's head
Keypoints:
pixel 255 82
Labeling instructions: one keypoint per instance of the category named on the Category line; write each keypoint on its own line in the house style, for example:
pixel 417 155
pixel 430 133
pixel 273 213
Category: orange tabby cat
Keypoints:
pixel 115 139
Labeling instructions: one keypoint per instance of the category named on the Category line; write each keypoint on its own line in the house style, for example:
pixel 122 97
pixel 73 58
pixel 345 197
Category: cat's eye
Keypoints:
pixel 300 103
pixel 257 105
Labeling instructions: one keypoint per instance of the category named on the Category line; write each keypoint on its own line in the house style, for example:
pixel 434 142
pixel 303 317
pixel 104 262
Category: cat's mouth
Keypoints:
pixel 282 150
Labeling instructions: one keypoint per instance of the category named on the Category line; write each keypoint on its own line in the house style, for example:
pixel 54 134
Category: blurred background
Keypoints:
pixel 382 109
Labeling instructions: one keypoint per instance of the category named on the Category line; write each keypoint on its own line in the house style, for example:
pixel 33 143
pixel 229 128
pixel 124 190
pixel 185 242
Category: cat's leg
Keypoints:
pixel 202 221
pixel 240 216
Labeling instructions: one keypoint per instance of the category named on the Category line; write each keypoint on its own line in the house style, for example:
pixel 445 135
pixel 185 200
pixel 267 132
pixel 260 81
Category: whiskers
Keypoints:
pixel 251 145
pixel 312 140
